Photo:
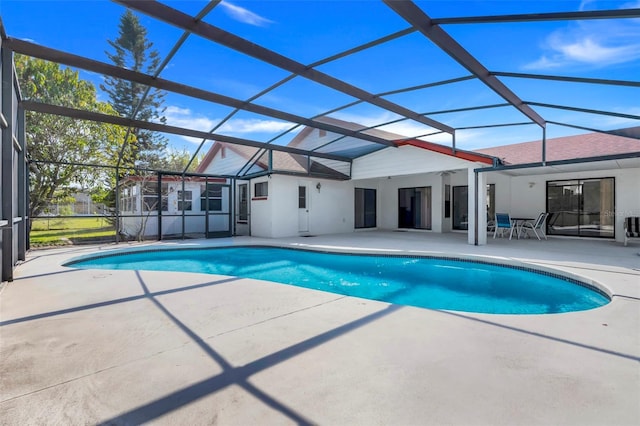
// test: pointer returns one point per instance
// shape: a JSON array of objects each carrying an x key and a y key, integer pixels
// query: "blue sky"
[{"x": 308, "y": 31}]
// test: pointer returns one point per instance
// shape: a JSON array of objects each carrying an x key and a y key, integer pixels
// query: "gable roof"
[
  {"x": 297, "y": 163},
  {"x": 398, "y": 140},
  {"x": 569, "y": 147},
  {"x": 282, "y": 161}
]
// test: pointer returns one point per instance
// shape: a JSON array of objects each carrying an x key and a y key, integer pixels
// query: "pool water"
[{"x": 433, "y": 283}]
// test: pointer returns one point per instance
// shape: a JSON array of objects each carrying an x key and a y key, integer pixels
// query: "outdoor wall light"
[{"x": 318, "y": 186}]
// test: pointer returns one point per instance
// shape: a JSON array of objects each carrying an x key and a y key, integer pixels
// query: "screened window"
[
  {"x": 211, "y": 197},
  {"x": 185, "y": 200},
  {"x": 150, "y": 199},
  {"x": 261, "y": 189}
]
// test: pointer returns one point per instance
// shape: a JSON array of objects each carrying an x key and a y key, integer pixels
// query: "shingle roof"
[{"x": 565, "y": 148}]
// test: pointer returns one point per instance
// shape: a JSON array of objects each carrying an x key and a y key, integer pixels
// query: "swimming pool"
[{"x": 426, "y": 282}]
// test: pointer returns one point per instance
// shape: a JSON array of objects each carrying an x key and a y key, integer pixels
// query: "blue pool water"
[{"x": 417, "y": 281}]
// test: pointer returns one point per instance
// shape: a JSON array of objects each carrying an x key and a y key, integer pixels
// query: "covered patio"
[{"x": 128, "y": 347}]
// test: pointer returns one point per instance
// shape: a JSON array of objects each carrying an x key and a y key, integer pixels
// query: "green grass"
[{"x": 62, "y": 231}]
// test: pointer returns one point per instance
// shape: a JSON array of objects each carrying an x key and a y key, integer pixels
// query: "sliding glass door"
[
  {"x": 582, "y": 208},
  {"x": 365, "y": 208},
  {"x": 414, "y": 208}
]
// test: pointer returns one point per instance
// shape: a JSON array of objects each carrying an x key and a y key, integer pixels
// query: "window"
[
  {"x": 243, "y": 202},
  {"x": 211, "y": 197},
  {"x": 302, "y": 197},
  {"x": 365, "y": 208},
  {"x": 581, "y": 208},
  {"x": 261, "y": 189},
  {"x": 447, "y": 201},
  {"x": 150, "y": 197},
  {"x": 414, "y": 208},
  {"x": 184, "y": 200}
]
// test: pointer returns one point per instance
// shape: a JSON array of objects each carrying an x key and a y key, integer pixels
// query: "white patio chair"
[{"x": 537, "y": 227}]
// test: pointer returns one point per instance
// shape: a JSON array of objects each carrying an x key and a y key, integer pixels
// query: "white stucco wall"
[{"x": 331, "y": 210}]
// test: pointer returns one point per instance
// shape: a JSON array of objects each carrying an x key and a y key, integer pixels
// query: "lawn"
[{"x": 69, "y": 230}]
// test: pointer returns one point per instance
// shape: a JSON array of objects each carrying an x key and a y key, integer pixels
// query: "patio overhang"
[{"x": 607, "y": 162}]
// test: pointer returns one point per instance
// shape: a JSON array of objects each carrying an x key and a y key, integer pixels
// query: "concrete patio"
[{"x": 129, "y": 347}]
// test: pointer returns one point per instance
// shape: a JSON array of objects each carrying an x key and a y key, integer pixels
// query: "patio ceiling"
[{"x": 325, "y": 85}]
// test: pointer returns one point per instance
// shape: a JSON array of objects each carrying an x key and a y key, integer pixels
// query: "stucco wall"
[
  {"x": 405, "y": 160},
  {"x": 331, "y": 209}
]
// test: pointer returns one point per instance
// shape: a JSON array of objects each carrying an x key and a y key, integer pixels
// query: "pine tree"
[{"x": 132, "y": 50}]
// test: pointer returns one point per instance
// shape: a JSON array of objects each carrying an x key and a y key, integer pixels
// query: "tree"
[
  {"x": 177, "y": 161},
  {"x": 56, "y": 145},
  {"x": 133, "y": 51}
]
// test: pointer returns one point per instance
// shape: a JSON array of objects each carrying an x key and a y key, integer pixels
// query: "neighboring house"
[
  {"x": 417, "y": 185},
  {"x": 200, "y": 206}
]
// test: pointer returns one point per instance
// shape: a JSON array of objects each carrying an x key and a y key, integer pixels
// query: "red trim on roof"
[{"x": 441, "y": 149}]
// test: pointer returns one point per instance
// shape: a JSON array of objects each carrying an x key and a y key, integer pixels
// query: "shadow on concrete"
[
  {"x": 114, "y": 301},
  {"x": 543, "y": 336},
  {"x": 234, "y": 375}
]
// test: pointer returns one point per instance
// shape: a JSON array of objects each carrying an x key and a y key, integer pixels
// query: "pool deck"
[{"x": 129, "y": 347}]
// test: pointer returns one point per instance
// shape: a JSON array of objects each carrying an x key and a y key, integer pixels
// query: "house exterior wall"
[
  {"x": 387, "y": 197},
  {"x": 525, "y": 196},
  {"x": 331, "y": 209},
  {"x": 405, "y": 160},
  {"x": 228, "y": 162}
]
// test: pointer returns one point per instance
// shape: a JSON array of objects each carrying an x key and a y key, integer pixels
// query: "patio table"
[{"x": 518, "y": 223}]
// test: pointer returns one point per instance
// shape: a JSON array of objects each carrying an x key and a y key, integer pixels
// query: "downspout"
[{"x": 544, "y": 146}]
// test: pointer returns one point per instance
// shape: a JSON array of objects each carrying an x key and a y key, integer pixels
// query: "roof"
[
  {"x": 565, "y": 148},
  {"x": 282, "y": 161},
  {"x": 442, "y": 149}
]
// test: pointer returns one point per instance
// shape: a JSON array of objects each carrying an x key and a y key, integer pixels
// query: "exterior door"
[
  {"x": 216, "y": 203},
  {"x": 303, "y": 207}
]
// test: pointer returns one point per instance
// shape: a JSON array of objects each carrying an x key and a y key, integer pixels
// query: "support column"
[
  {"x": 482, "y": 209},
  {"x": 23, "y": 207},
  {"x": 477, "y": 207},
  {"x": 9, "y": 256}
]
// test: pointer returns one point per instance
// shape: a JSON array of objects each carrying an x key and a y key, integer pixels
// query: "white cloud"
[
  {"x": 597, "y": 44},
  {"x": 254, "y": 126},
  {"x": 184, "y": 117},
  {"x": 244, "y": 15}
]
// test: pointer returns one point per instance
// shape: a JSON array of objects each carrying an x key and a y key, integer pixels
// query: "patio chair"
[
  {"x": 631, "y": 228},
  {"x": 503, "y": 223},
  {"x": 491, "y": 224},
  {"x": 537, "y": 227}
]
